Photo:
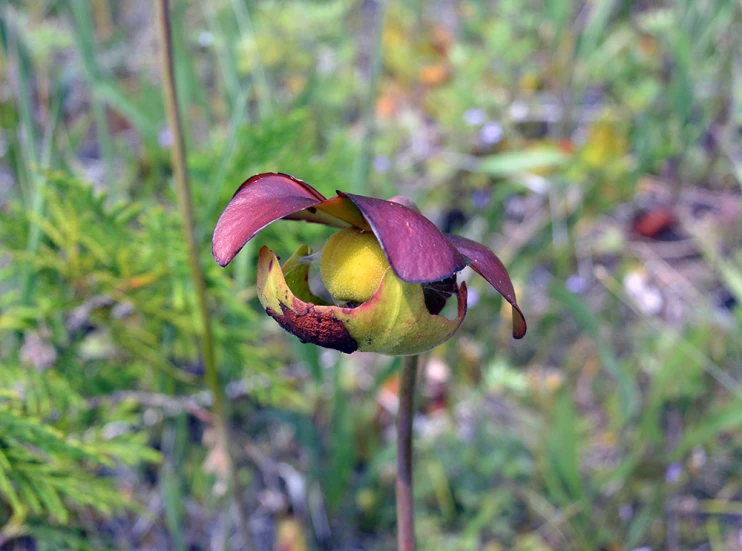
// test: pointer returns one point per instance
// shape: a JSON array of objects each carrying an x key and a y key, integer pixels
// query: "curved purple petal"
[
  {"x": 260, "y": 200},
  {"x": 486, "y": 264},
  {"x": 417, "y": 251}
]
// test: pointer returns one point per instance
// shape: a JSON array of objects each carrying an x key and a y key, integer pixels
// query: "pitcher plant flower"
[{"x": 388, "y": 269}]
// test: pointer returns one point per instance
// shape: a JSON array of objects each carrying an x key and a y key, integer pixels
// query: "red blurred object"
[
  {"x": 654, "y": 222},
  {"x": 567, "y": 146}
]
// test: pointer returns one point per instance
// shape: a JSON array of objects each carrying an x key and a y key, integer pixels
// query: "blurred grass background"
[{"x": 596, "y": 146}]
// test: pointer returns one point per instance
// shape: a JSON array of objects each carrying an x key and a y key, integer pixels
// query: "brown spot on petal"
[{"x": 314, "y": 326}]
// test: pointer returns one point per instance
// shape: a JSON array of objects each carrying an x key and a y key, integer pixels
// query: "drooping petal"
[
  {"x": 417, "y": 251},
  {"x": 263, "y": 199},
  {"x": 486, "y": 264},
  {"x": 395, "y": 321}
]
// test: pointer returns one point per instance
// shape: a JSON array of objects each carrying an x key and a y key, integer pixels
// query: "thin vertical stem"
[
  {"x": 178, "y": 155},
  {"x": 31, "y": 182},
  {"x": 405, "y": 415},
  {"x": 85, "y": 36},
  {"x": 363, "y": 168}
]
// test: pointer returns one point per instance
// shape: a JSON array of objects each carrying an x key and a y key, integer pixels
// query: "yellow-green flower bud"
[
  {"x": 393, "y": 321},
  {"x": 352, "y": 265}
]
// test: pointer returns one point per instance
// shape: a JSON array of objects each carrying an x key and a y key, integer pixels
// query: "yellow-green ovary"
[{"x": 352, "y": 265}]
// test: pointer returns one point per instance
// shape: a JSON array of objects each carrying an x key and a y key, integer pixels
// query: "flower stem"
[
  {"x": 405, "y": 415},
  {"x": 178, "y": 155}
]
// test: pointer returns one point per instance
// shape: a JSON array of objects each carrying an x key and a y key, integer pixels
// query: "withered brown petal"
[
  {"x": 260, "y": 200},
  {"x": 311, "y": 323},
  {"x": 486, "y": 264},
  {"x": 417, "y": 251}
]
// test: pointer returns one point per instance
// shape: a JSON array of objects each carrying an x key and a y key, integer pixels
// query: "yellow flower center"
[{"x": 352, "y": 265}]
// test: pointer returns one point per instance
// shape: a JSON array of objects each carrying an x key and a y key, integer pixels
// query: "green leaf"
[
  {"x": 341, "y": 451},
  {"x": 518, "y": 162},
  {"x": 726, "y": 418},
  {"x": 628, "y": 391},
  {"x": 562, "y": 452}
]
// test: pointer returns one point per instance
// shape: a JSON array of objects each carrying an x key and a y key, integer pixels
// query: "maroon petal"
[
  {"x": 486, "y": 264},
  {"x": 262, "y": 199},
  {"x": 417, "y": 251}
]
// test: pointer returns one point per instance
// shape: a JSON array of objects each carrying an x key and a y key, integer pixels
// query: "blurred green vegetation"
[{"x": 595, "y": 146}]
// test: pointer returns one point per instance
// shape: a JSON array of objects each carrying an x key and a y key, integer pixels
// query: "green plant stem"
[
  {"x": 405, "y": 415},
  {"x": 85, "y": 37},
  {"x": 363, "y": 168},
  {"x": 31, "y": 185},
  {"x": 221, "y": 425}
]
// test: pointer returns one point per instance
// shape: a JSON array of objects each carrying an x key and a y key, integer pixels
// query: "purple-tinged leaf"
[{"x": 486, "y": 264}]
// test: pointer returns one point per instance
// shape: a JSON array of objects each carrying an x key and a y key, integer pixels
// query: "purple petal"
[
  {"x": 262, "y": 199},
  {"x": 417, "y": 251},
  {"x": 486, "y": 264}
]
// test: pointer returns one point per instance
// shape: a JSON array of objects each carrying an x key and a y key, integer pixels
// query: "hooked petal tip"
[{"x": 491, "y": 268}]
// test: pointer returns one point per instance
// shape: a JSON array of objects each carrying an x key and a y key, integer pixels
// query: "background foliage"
[{"x": 595, "y": 146}]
